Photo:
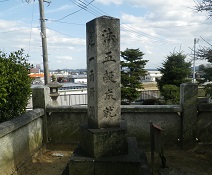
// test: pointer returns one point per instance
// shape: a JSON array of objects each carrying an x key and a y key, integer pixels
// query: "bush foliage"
[
  {"x": 175, "y": 71},
  {"x": 14, "y": 84}
]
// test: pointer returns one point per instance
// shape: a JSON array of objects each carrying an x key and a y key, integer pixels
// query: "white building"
[{"x": 152, "y": 75}]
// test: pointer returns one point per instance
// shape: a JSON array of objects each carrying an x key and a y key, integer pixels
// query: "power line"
[
  {"x": 205, "y": 41},
  {"x": 60, "y": 32},
  {"x": 63, "y": 22},
  {"x": 92, "y": 9},
  {"x": 81, "y": 8},
  {"x": 143, "y": 34},
  {"x": 85, "y": 7},
  {"x": 69, "y": 15}
]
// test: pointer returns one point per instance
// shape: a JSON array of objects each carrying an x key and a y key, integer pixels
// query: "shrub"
[
  {"x": 171, "y": 94},
  {"x": 14, "y": 84}
]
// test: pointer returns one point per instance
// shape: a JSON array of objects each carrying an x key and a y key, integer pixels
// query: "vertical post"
[
  {"x": 188, "y": 100},
  {"x": 152, "y": 147},
  {"x": 103, "y": 62},
  {"x": 104, "y": 135},
  {"x": 44, "y": 43},
  {"x": 194, "y": 78},
  {"x": 40, "y": 99}
]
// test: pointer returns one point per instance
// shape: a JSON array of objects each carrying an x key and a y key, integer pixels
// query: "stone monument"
[{"x": 104, "y": 147}]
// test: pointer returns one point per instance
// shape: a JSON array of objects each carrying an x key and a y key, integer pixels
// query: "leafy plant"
[
  {"x": 14, "y": 84},
  {"x": 171, "y": 94},
  {"x": 175, "y": 71}
]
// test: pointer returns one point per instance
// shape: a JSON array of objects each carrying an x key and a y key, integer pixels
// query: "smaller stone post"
[
  {"x": 40, "y": 99},
  {"x": 188, "y": 100}
]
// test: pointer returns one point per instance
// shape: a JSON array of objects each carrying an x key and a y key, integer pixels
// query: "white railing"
[{"x": 72, "y": 99}]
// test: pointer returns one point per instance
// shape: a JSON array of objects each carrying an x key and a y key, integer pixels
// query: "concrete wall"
[
  {"x": 20, "y": 138},
  {"x": 63, "y": 122},
  {"x": 181, "y": 123},
  {"x": 204, "y": 123},
  {"x": 166, "y": 116}
]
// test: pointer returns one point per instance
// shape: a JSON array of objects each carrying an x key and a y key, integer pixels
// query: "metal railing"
[
  {"x": 149, "y": 94},
  {"x": 67, "y": 99},
  {"x": 72, "y": 99}
]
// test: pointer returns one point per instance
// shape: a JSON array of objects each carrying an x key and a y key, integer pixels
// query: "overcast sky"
[{"x": 156, "y": 27}]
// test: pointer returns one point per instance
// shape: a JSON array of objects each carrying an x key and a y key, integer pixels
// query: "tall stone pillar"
[
  {"x": 103, "y": 136},
  {"x": 104, "y": 148},
  {"x": 103, "y": 67},
  {"x": 188, "y": 100}
]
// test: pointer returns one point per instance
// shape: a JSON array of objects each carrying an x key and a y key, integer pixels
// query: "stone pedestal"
[
  {"x": 103, "y": 142},
  {"x": 133, "y": 163}
]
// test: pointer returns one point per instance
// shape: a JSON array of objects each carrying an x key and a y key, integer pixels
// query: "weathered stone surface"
[
  {"x": 40, "y": 97},
  {"x": 133, "y": 163},
  {"x": 103, "y": 142},
  {"x": 188, "y": 100},
  {"x": 103, "y": 67}
]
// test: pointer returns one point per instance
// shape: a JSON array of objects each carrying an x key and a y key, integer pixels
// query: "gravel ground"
[{"x": 195, "y": 161}]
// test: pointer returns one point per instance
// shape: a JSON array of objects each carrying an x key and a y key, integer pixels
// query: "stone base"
[
  {"x": 103, "y": 142},
  {"x": 133, "y": 163}
]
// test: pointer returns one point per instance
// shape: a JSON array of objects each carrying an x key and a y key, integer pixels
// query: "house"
[{"x": 152, "y": 75}]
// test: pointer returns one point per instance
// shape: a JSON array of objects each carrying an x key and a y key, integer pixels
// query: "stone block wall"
[
  {"x": 63, "y": 122},
  {"x": 204, "y": 123},
  {"x": 167, "y": 117},
  {"x": 20, "y": 138}
]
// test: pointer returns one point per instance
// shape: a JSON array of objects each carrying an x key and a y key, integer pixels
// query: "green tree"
[
  {"x": 175, "y": 71},
  {"x": 132, "y": 68},
  {"x": 14, "y": 84},
  {"x": 205, "y": 72}
]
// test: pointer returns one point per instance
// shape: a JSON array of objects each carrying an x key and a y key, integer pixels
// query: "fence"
[
  {"x": 149, "y": 94},
  {"x": 68, "y": 98},
  {"x": 72, "y": 99}
]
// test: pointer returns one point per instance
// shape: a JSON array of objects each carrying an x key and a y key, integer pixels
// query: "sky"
[{"x": 156, "y": 27}]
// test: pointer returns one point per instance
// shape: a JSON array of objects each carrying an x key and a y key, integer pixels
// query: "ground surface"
[
  {"x": 52, "y": 162},
  {"x": 149, "y": 86},
  {"x": 192, "y": 161}
]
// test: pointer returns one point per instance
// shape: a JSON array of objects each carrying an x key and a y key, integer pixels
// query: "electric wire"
[
  {"x": 124, "y": 26},
  {"x": 60, "y": 32},
  {"x": 64, "y": 22},
  {"x": 90, "y": 8},
  {"x": 85, "y": 6},
  {"x": 68, "y": 15},
  {"x": 81, "y": 8},
  {"x": 206, "y": 41}
]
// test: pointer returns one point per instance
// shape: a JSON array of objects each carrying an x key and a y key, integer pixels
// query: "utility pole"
[
  {"x": 44, "y": 43},
  {"x": 194, "y": 71}
]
